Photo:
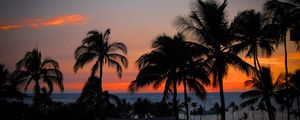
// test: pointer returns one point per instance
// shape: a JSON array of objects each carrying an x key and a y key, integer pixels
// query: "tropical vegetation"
[{"x": 200, "y": 55}]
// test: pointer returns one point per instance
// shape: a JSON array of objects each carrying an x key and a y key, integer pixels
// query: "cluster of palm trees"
[
  {"x": 200, "y": 55},
  {"x": 215, "y": 47}
]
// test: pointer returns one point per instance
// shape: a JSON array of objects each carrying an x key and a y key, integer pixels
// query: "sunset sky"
[{"x": 56, "y": 28}]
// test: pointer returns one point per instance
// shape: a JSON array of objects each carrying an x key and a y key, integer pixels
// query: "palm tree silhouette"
[
  {"x": 216, "y": 109},
  {"x": 263, "y": 89},
  {"x": 261, "y": 107},
  {"x": 194, "y": 105},
  {"x": 253, "y": 35},
  {"x": 96, "y": 46},
  {"x": 89, "y": 95},
  {"x": 286, "y": 16},
  {"x": 236, "y": 108},
  {"x": 252, "y": 108},
  {"x": 8, "y": 85},
  {"x": 295, "y": 86},
  {"x": 201, "y": 110},
  {"x": 281, "y": 109},
  {"x": 172, "y": 61},
  {"x": 232, "y": 106},
  {"x": 32, "y": 68},
  {"x": 91, "y": 99},
  {"x": 142, "y": 107},
  {"x": 207, "y": 23}
]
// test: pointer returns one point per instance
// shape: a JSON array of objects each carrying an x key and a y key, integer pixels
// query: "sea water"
[
  {"x": 210, "y": 100},
  {"x": 208, "y": 103}
]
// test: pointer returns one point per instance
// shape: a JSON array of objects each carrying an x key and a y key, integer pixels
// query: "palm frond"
[
  {"x": 50, "y": 63},
  {"x": 239, "y": 63},
  {"x": 83, "y": 59},
  {"x": 116, "y": 65},
  {"x": 117, "y": 46},
  {"x": 249, "y": 102},
  {"x": 251, "y": 94},
  {"x": 119, "y": 57}
]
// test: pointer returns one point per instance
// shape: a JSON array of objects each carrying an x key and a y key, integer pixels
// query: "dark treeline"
[{"x": 198, "y": 56}]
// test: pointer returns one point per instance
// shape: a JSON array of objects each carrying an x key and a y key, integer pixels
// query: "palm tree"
[
  {"x": 216, "y": 108},
  {"x": 201, "y": 110},
  {"x": 97, "y": 47},
  {"x": 253, "y": 35},
  {"x": 8, "y": 85},
  {"x": 261, "y": 106},
  {"x": 194, "y": 76},
  {"x": 141, "y": 108},
  {"x": 244, "y": 116},
  {"x": 295, "y": 85},
  {"x": 32, "y": 68},
  {"x": 236, "y": 108},
  {"x": 172, "y": 61},
  {"x": 281, "y": 109},
  {"x": 207, "y": 24},
  {"x": 194, "y": 105},
  {"x": 286, "y": 16},
  {"x": 252, "y": 108},
  {"x": 232, "y": 105},
  {"x": 263, "y": 88}
]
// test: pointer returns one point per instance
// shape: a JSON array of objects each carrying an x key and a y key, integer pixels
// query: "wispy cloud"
[
  {"x": 6, "y": 27},
  {"x": 45, "y": 22}
]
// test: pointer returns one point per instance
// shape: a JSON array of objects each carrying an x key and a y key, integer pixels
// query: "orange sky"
[{"x": 57, "y": 28}]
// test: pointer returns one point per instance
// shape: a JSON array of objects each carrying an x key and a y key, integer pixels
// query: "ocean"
[
  {"x": 154, "y": 97},
  {"x": 208, "y": 103}
]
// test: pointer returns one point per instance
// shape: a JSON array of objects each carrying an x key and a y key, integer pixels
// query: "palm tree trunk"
[
  {"x": 257, "y": 62},
  {"x": 298, "y": 107},
  {"x": 254, "y": 61},
  {"x": 232, "y": 115},
  {"x": 37, "y": 93},
  {"x": 222, "y": 97},
  {"x": 186, "y": 101},
  {"x": 269, "y": 108},
  {"x": 100, "y": 87},
  {"x": 286, "y": 75},
  {"x": 175, "y": 106}
]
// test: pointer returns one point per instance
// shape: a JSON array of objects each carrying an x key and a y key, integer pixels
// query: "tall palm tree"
[
  {"x": 253, "y": 35},
  {"x": 172, "y": 61},
  {"x": 263, "y": 88},
  {"x": 193, "y": 75},
  {"x": 295, "y": 86},
  {"x": 286, "y": 15},
  {"x": 32, "y": 68},
  {"x": 97, "y": 47},
  {"x": 208, "y": 24}
]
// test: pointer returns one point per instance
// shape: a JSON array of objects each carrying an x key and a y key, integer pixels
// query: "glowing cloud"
[
  {"x": 6, "y": 27},
  {"x": 45, "y": 22}
]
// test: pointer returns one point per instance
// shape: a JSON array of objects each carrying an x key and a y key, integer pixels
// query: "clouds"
[{"x": 73, "y": 19}]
